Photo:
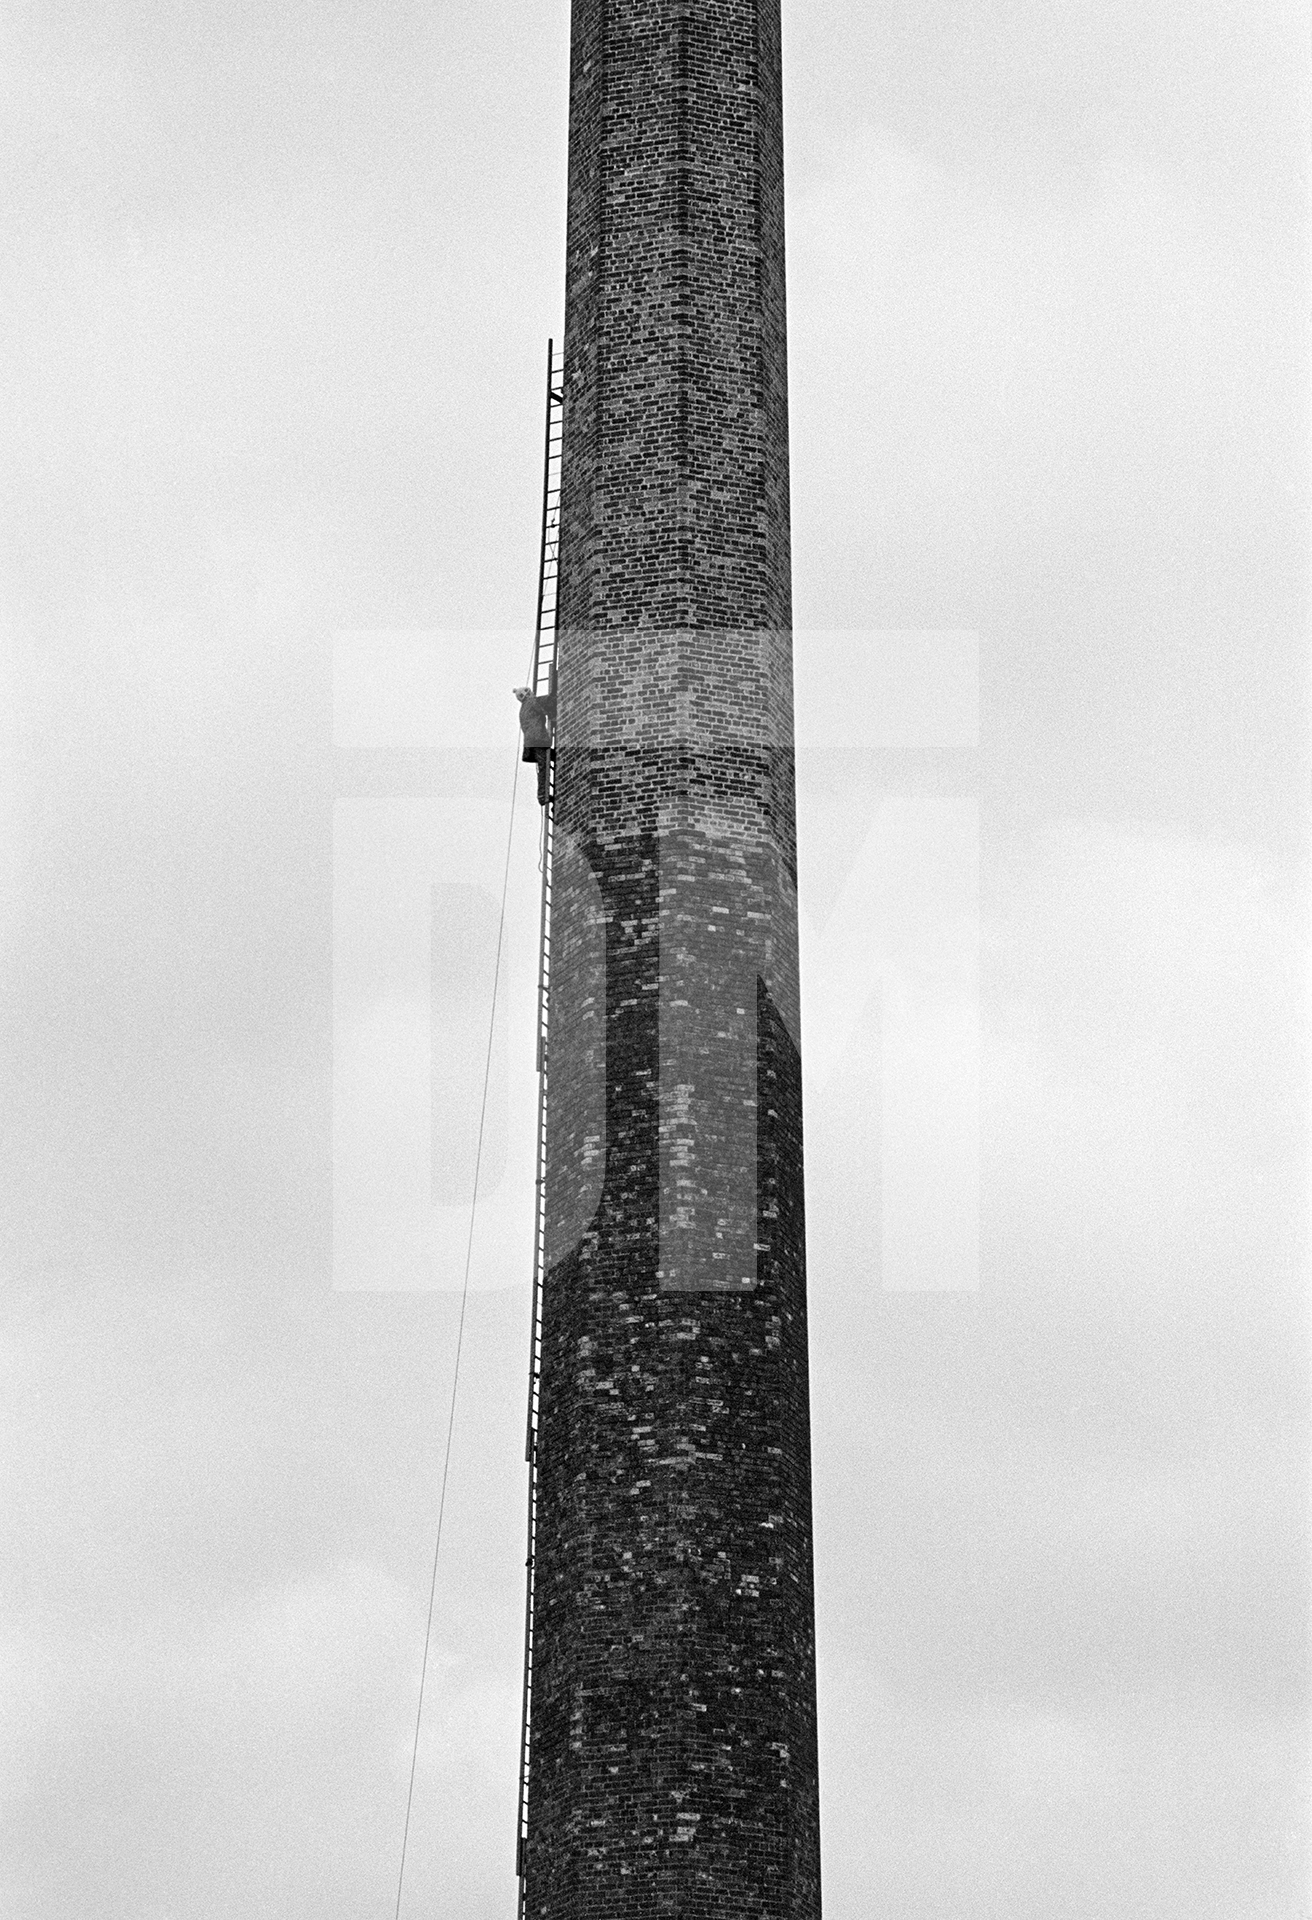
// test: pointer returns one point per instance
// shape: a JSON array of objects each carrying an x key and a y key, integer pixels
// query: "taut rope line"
[{"x": 460, "y": 1337}]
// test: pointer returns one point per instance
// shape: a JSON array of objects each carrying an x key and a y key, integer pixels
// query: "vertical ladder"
[{"x": 542, "y": 681}]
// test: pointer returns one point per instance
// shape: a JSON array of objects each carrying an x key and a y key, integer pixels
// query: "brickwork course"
[{"x": 673, "y": 1758}]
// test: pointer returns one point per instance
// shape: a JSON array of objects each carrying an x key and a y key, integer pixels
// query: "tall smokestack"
[{"x": 673, "y": 1739}]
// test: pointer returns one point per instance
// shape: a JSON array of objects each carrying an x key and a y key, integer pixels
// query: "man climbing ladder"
[{"x": 537, "y": 713}]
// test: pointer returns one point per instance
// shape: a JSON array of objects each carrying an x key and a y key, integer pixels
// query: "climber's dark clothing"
[{"x": 536, "y": 718}]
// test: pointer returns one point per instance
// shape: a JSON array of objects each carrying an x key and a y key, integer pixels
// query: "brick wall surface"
[{"x": 673, "y": 1764}]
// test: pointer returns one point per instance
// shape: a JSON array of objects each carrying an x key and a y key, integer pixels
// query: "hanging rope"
[{"x": 460, "y": 1336}]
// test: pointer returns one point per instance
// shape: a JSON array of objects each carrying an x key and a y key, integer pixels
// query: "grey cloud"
[{"x": 281, "y": 286}]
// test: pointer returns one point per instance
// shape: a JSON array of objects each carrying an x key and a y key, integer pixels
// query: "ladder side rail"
[
  {"x": 546, "y": 488},
  {"x": 535, "y": 1360},
  {"x": 544, "y": 663},
  {"x": 535, "y": 1348}
]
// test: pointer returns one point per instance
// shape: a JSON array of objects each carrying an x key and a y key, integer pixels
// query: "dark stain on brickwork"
[
  {"x": 673, "y": 1759},
  {"x": 626, "y": 1224}
]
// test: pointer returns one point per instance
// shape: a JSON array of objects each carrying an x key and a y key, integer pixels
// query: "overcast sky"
[{"x": 278, "y": 283}]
